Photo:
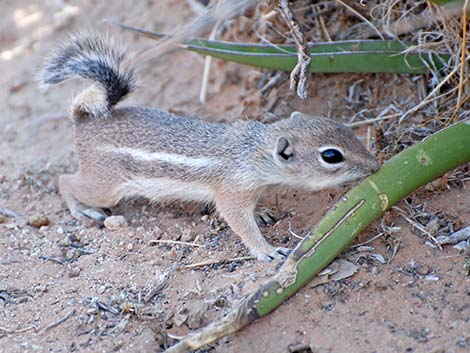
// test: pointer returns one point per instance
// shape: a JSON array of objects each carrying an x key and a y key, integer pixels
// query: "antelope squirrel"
[{"x": 126, "y": 152}]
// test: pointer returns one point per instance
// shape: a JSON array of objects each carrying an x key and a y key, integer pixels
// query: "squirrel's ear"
[{"x": 284, "y": 150}]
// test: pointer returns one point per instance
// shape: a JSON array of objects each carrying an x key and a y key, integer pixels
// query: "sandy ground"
[{"x": 67, "y": 288}]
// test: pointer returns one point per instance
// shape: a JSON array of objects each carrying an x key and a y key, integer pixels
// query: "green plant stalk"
[
  {"x": 359, "y": 56},
  {"x": 401, "y": 175},
  {"x": 397, "y": 178},
  {"x": 367, "y": 56},
  {"x": 390, "y": 46}
]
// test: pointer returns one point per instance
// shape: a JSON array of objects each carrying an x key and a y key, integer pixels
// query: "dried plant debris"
[
  {"x": 427, "y": 223},
  {"x": 336, "y": 271},
  {"x": 458, "y": 177},
  {"x": 416, "y": 270},
  {"x": 459, "y": 239},
  {"x": 442, "y": 96},
  {"x": 429, "y": 26},
  {"x": 300, "y": 74}
]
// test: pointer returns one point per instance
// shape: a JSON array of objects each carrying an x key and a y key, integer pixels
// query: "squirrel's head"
[{"x": 318, "y": 153}]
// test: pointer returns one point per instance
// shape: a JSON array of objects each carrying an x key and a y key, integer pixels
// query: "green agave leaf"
[
  {"x": 368, "y": 56},
  {"x": 340, "y": 46}
]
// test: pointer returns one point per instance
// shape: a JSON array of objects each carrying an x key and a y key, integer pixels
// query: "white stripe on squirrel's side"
[{"x": 172, "y": 158}]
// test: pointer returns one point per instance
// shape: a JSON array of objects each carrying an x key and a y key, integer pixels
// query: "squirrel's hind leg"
[{"x": 73, "y": 189}]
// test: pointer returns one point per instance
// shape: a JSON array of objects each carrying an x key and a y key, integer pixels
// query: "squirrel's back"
[{"x": 94, "y": 57}]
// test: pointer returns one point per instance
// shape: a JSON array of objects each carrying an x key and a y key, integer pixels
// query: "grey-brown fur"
[
  {"x": 93, "y": 57},
  {"x": 135, "y": 151}
]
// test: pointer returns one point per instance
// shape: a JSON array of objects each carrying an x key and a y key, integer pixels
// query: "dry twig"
[
  {"x": 9, "y": 213},
  {"x": 215, "y": 261},
  {"x": 196, "y": 27},
  {"x": 362, "y": 18},
  {"x": 207, "y": 63},
  {"x": 152, "y": 292},
  {"x": 436, "y": 89},
  {"x": 60, "y": 321},
  {"x": 300, "y": 74},
  {"x": 463, "y": 54},
  {"x": 5, "y": 331},
  {"x": 416, "y": 225},
  {"x": 454, "y": 238},
  {"x": 373, "y": 120},
  {"x": 176, "y": 242}
]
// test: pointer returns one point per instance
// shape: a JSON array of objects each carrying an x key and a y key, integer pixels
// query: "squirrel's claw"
[
  {"x": 264, "y": 216},
  {"x": 93, "y": 216},
  {"x": 279, "y": 254}
]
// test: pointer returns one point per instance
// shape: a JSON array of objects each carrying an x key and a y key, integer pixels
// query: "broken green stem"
[{"x": 398, "y": 177}]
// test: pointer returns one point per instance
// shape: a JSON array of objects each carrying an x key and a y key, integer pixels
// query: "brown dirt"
[{"x": 98, "y": 279}]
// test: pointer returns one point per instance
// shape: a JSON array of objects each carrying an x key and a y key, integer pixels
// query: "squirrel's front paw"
[
  {"x": 264, "y": 216},
  {"x": 279, "y": 254}
]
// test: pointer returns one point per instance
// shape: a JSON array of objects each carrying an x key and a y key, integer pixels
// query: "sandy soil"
[{"x": 67, "y": 288}]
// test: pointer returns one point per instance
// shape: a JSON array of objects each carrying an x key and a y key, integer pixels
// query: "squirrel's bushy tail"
[{"x": 91, "y": 56}]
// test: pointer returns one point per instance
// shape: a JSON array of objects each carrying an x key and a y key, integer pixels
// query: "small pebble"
[
  {"x": 74, "y": 272},
  {"x": 463, "y": 342},
  {"x": 171, "y": 255},
  {"x": 423, "y": 270},
  {"x": 17, "y": 85},
  {"x": 115, "y": 222},
  {"x": 39, "y": 221},
  {"x": 187, "y": 236},
  {"x": 72, "y": 254},
  {"x": 11, "y": 226},
  {"x": 220, "y": 302},
  {"x": 180, "y": 318}
]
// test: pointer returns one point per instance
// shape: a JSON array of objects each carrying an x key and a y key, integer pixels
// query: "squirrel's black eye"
[{"x": 332, "y": 156}]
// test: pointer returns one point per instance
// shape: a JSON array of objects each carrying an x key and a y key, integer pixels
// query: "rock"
[
  {"x": 180, "y": 317},
  {"x": 187, "y": 236},
  {"x": 74, "y": 272},
  {"x": 199, "y": 315},
  {"x": 115, "y": 222},
  {"x": 39, "y": 221},
  {"x": 72, "y": 254}
]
